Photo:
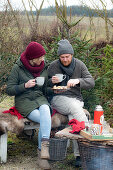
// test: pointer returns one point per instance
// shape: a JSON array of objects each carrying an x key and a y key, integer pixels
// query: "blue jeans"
[{"x": 42, "y": 115}]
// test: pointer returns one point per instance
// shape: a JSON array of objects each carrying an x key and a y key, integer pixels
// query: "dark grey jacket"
[{"x": 80, "y": 72}]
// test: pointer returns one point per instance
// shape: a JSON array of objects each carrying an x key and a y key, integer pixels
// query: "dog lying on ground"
[{"x": 11, "y": 123}]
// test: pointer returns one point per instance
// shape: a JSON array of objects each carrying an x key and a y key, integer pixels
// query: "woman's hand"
[
  {"x": 55, "y": 80},
  {"x": 30, "y": 83},
  {"x": 72, "y": 82}
]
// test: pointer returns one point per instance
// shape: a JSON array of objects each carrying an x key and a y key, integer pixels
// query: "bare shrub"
[{"x": 10, "y": 40}]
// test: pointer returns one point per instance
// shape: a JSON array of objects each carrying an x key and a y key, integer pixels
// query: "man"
[{"x": 78, "y": 77}]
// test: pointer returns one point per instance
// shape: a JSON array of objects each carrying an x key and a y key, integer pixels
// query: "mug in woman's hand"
[
  {"x": 61, "y": 77},
  {"x": 40, "y": 81}
]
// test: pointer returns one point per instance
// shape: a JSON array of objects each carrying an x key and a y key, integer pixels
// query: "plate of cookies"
[{"x": 60, "y": 88}]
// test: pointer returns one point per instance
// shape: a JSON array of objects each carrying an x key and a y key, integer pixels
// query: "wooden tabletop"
[
  {"x": 65, "y": 133},
  {"x": 83, "y": 134}
]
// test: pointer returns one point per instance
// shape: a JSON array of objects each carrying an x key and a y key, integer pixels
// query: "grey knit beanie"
[{"x": 64, "y": 47}]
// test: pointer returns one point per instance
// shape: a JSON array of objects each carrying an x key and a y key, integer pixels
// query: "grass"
[
  {"x": 7, "y": 102},
  {"x": 93, "y": 26}
]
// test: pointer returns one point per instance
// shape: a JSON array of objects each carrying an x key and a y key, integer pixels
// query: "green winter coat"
[{"x": 26, "y": 99}]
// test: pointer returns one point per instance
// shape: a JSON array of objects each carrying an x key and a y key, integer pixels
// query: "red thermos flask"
[{"x": 98, "y": 115}]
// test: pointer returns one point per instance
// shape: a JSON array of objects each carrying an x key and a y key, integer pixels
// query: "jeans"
[{"x": 42, "y": 115}]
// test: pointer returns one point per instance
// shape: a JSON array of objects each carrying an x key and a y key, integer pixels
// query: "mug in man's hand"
[
  {"x": 40, "y": 81},
  {"x": 61, "y": 77}
]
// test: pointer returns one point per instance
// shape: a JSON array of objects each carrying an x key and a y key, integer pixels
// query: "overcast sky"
[{"x": 18, "y": 3}]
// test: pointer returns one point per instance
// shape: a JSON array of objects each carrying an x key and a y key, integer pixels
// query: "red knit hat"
[{"x": 34, "y": 50}]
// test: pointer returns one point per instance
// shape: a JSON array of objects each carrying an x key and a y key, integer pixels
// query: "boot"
[
  {"x": 43, "y": 163},
  {"x": 45, "y": 150},
  {"x": 78, "y": 161}
]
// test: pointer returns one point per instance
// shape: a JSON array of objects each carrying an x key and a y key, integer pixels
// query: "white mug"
[
  {"x": 40, "y": 81},
  {"x": 61, "y": 77}
]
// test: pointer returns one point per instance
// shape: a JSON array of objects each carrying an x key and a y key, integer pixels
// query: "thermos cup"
[{"x": 98, "y": 115}]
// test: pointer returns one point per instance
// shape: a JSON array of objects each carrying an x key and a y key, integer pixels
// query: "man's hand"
[
  {"x": 30, "y": 83},
  {"x": 72, "y": 82},
  {"x": 55, "y": 80}
]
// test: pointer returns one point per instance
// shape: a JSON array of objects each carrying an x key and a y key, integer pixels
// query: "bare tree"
[
  {"x": 102, "y": 13},
  {"x": 61, "y": 12},
  {"x": 33, "y": 20},
  {"x": 16, "y": 19}
]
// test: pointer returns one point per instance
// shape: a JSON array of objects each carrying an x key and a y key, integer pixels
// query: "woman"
[{"x": 30, "y": 98}]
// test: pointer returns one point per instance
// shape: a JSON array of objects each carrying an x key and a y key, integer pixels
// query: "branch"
[
  {"x": 31, "y": 10},
  {"x": 27, "y": 14},
  {"x": 18, "y": 25}
]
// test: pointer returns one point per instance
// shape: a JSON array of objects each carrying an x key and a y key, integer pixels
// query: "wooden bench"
[{"x": 29, "y": 125}]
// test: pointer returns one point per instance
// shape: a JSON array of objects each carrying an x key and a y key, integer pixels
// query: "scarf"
[
  {"x": 68, "y": 71},
  {"x": 34, "y": 70}
]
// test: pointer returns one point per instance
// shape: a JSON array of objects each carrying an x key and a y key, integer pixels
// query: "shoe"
[
  {"x": 45, "y": 150},
  {"x": 78, "y": 161},
  {"x": 43, "y": 163}
]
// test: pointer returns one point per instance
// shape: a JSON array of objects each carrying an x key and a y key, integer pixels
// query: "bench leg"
[{"x": 3, "y": 148}]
